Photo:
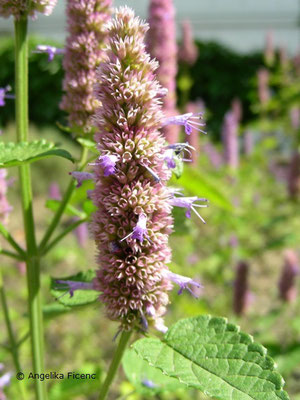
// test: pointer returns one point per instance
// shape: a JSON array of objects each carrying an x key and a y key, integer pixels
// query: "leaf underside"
[{"x": 213, "y": 356}]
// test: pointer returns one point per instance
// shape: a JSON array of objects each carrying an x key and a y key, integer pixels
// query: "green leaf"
[
  {"x": 213, "y": 356},
  {"x": 178, "y": 170},
  {"x": 52, "y": 310},
  {"x": 80, "y": 297},
  {"x": 14, "y": 154},
  {"x": 89, "y": 144},
  {"x": 142, "y": 375},
  {"x": 195, "y": 182},
  {"x": 53, "y": 205}
]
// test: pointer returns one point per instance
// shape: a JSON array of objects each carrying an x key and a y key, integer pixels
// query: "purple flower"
[
  {"x": 189, "y": 204},
  {"x": 263, "y": 85},
  {"x": 161, "y": 44},
  {"x": 81, "y": 176},
  {"x": 188, "y": 51},
  {"x": 50, "y": 50},
  {"x": 107, "y": 163},
  {"x": 190, "y": 121},
  {"x": 287, "y": 283},
  {"x": 140, "y": 229},
  {"x": 174, "y": 152},
  {"x": 71, "y": 286},
  {"x": 241, "y": 293},
  {"x": 5, "y": 207},
  {"x": 81, "y": 234},
  {"x": 230, "y": 140},
  {"x": 54, "y": 191},
  {"x": 4, "y": 95},
  {"x": 183, "y": 282},
  {"x": 148, "y": 383}
]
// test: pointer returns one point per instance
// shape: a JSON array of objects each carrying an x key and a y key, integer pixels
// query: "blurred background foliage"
[{"x": 218, "y": 76}]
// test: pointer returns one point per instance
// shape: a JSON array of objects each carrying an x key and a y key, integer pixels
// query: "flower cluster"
[
  {"x": 5, "y": 207},
  {"x": 241, "y": 294},
  {"x": 161, "y": 44},
  {"x": 22, "y": 8},
  {"x": 287, "y": 283},
  {"x": 133, "y": 218},
  {"x": 188, "y": 51},
  {"x": 83, "y": 54},
  {"x": 230, "y": 140}
]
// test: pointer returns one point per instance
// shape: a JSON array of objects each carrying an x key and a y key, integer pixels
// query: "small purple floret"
[
  {"x": 148, "y": 383},
  {"x": 189, "y": 204},
  {"x": 190, "y": 121},
  {"x": 108, "y": 163},
  {"x": 71, "y": 286},
  {"x": 4, "y": 95},
  {"x": 81, "y": 176},
  {"x": 140, "y": 230},
  {"x": 50, "y": 50},
  {"x": 183, "y": 282}
]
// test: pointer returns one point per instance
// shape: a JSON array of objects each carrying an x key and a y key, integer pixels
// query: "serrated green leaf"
[
  {"x": 147, "y": 380},
  {"x": 14, "y": 154},
  {"x": 80, "y": 297},
  {"x": 213, "y": 356}
]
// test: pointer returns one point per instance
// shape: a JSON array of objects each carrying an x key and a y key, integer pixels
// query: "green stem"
[
  {"x": 11, "y": 240},
  {"x": 59, "y": 237},
  {"x": 125, "y": 336},
  {"x": 13, "y": 344},
  {"x": 32, "y": 261},
  {"x": 11, "y": 254},
  {"x": 63, "y": 205}
]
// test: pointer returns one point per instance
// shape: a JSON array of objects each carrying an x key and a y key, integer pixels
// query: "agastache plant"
[
  {"x": 230, "y": 140},
  {"x": 133, "y": 220},
  {"x": 161, "y": 44},
  {"x": 83, "y": 54},
  {"x": 287, "y": 283},
  {"x": 5, "y": 207},
  {"x": 21, "y": 8},
  {"x": 188, "y": 51}
]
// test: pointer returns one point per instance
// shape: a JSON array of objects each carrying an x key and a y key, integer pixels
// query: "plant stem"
[
  {"x": 11, "y": 240},
  {"x": 32, "y": 261},
  {"x": 59, "y": 237},
  {"x": 11, "y": 336},
  {"x": 11, "y": 254},
  {"x": 125, "y": 336},
  {"x": 63, "y": 204}
]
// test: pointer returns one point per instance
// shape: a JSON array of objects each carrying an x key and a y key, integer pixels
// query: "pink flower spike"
[
  {"x": 183, "y": 282},
  {"x": 189, "y": 204},
  {"x": 81, "y": 176},
  {"x": 71, "y": 286},
  {"x": 190, "y": 121},
  {"x": 50, "y": 50}
]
